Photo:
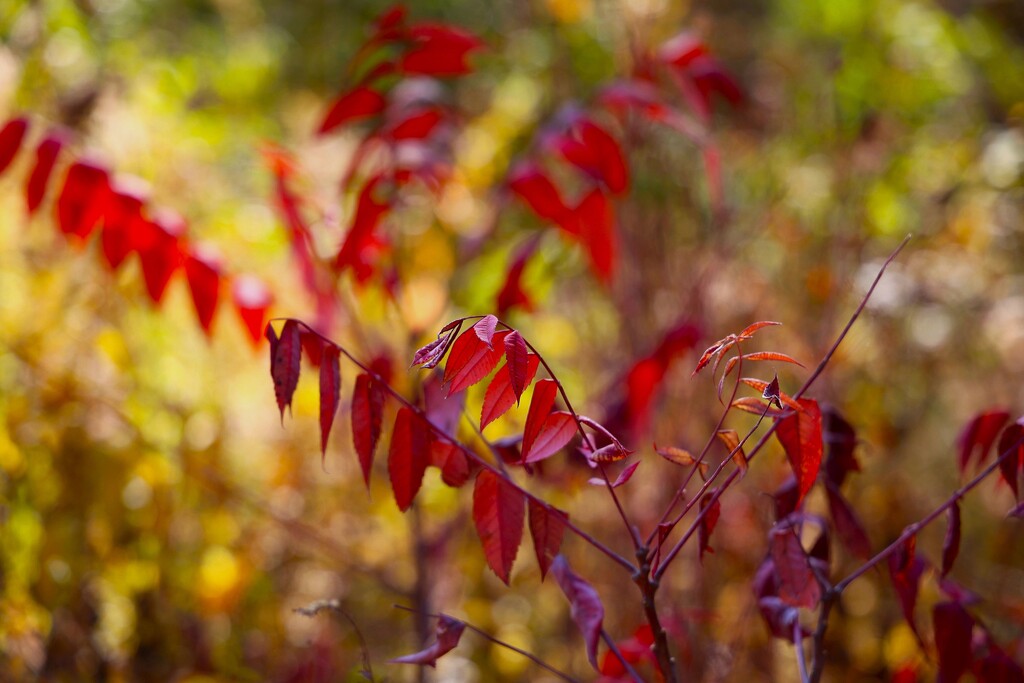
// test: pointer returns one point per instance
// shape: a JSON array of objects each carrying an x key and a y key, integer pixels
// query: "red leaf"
[
  {"x": 452, "y": 462},
  {"x": 203, "y": 275},
  {"x": 749, "y": 330},
  {"x": 46, "y": 158},
  {"x": 978, "y": 436},
  {"x": 585, "y": 605},
  {"x": 517, "y": 359},
  {"x": 594, "y": 151},
  {"x": 848, "y": 526},
  {"x": 11, "y": 137},
  {"x": 429, "y": 355},
  {"x": 285, "y": 359},
  {"x": 681, "y": 49},
  {"x": 840, "y": 439},
  {"x": 330, "y": 393},
  {"x": 471, "y": 359},
  {"x": 547, "y": 526},
  {"x": 800, "y": 436},
  {"x": 544, "y": 393},
  {"x": 798, "y": 586},
  {"x": 498, "y": 516},
  {"x": 438, "y": 50},
  {"x": 595, "y": 226},
  {"x": 359, "y": 103},
  {"x": 951, "y": 544},
  {"x": 83, "y": 198},
  {"x": 557, "y": 431},
  {"x": 370, "y": 210},
  {"x": 953, "y": 630},
  {"x": 500, "y": 395},
  {"x": 707, "y": 522},
  {"x": 160, "y": 253},
  {"x": 535, "y": 188},
  {"x": 408, "y": 456},
  {"x": 449, "y": 631},
  {"x": 512, "y": 293},
  {"x": 1009, "y": 467},
  {"x": 416, "y": 126},
  {"x": 485, "y": 327},
  {"x": 624, "y": 476},
  {"x": 252, "y": 299},
  {"x": 997, "y": 667},
  {"x": 643, "y": 97},
  {"x": 905, "y": 569},
  {"x": 367, "y": 414},
  {"x": 124, "y": 228}
]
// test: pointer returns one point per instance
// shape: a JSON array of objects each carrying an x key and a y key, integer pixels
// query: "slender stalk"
[
  {"x": 497, "y": 641},
  {"x": 630, "y": 529},
  {"x": 798, "y": 644},
  {"x": 614, "y": 649}
]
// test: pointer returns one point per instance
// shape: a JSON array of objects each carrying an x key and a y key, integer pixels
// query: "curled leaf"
[
  {"x": 449, "y": 631},
  {"x": 585, "y": 605}
]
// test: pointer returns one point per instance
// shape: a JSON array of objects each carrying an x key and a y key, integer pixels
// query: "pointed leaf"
[
  {"x": 543, "y": 401},
  {"x": 471, "y": 359},
  {"x": 708, "y": 521},
  {"x": 498, "y": 516},
  {"x": 557, "y": 430},
  {"x": 11, "y": 137},
  {"x": 484, "y": 329},
  {"x": 679, "y": 456},
  {"x": 800, "y": 436},
  {"x": 547, "y": 527},
  {"x": 535, "y": 188},
  {"x": 252, "y": 299},
  {"x": 39, "y": 178},
  {"x": 585, "y": 605},
  {"x": 596, "y": 228},
  {"x": 449, "y": 631},
  {"x": 951, "y": 543},
  {"x": 624, "y": 476},
  {"x": 367, "y": 414},
  {"x": 905, "y": 570},
  {"x": 518, "y": 362},
  {"x": 978, "y": 436},
  {"x": 330, "y": 393},
  {"x": 754, "y": 406},
  {"x": 408, "y": 456},
  {"x": 124, "y": 227},
  {"x": 82, "y": 199},
  {"x": 372, "y": 206},
  {"x": 359, "y": 103},
  {"x": 439, "y": 51},
  {"x": 285, "y": 359},
  {"x": 953, "y": 629},
  {"x": 431, "y": 354},
  {"x": 452, "y": 462},
  {"x": 1010, "y": 466},
  {"x": 749, "y": 331},
  {"x": 731, "y": 440},
  {"x": 161, "y": 254},
  {"x": 202, "y": 271},
  {"x": 512, "y": 294},
  {"x": 848, "y": 526},
  {"x": 500, "y": 395},
  {"x": 840, "y": 440},
  {"x": 798, "y": 586}
]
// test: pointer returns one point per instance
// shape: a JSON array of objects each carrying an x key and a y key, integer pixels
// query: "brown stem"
[{"x": 648, "y": 590}]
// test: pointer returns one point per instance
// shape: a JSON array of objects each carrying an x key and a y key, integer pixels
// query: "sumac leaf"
[
  {"x": 500, "y": 395},
  {"x": 452, "y": 462},
  {"x": 905, "y": 570},
  {"x": 408, "y": 456},
  {"x": 713, "y": 506},
  {"x": 518, "y": 362},
  {"x": 367, "y": 414},
  {"x": 951, "y": 543},
  {"x": 543, "y": 401},
  {"x": 596, "y": 229},
  {"x": 429, "y": 355},
  {"x": 840, "y": 440},
  {"x": 11, "y": 137},
  {"x": 484, "y": 329},
  {"x": 512, "y": 294},
  {"x": 953, "y": 629},
  {"x": 160, "y": 252},
  {"x": 848, "y": 526},
  {"x": 547, "y": 527},
  {"x": 498, "y": 516},
  {"x": 82, "y": 200},
  {"x": 285, "y": 360},
  {"x": 203, "y": 274},
  {"x": 798, "y": 586},
  {"x": 556, "y": 431},
  {"x": 330, "y": 393},
  {"x": 371, "y": 208},
  {"x": 124, "y": 228},
  {"x": 749, "y": 330},
  {"x": 359, "y": 103},
  {"x": 800, "y": 436},
  {"x": 584, "y": 605},
  {"x": 449, "y": 631},
  {"x": 252, "y": 300},
  {"x": 1010, "y": 466},
  {"x": 535, "y": 188},
  {"x": 471, "y": 359},
  {"x": 39, "y": 178},
  {"x": 438, "y": 50},
  {"x": 754, "y": 406},
  {"x": 978, "y": 436},
  {"x": 624, "y": 476}
]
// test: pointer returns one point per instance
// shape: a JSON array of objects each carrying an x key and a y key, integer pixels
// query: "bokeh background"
[{"x": 157, "y": 522}]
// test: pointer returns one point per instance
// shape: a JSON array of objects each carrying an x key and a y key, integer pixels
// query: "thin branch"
[
  {"x": 614, "y": 649},
  {"x": 334, "y": 605},
  {"x": 798, "y": 644}
]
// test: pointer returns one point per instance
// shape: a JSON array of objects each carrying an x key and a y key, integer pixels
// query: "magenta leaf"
[
  {"x": 449, "y": 631},
  {"x": 953, "y": 629},
  {"x": 585, "y": 605},
  {"x": 285, "y": 359},
  {"x": 330, "y": 393},
  {"x": 951, "y": 544}
]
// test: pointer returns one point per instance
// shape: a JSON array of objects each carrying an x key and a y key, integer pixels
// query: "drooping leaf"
[
  {"x": 840, "y": 440},
  {"x": 252, "y": 300},
  {"x": 786, "y": 498},
  {"x": 749, "y": 330},
  {"x": 39, "y": 178},
  {"x": 367, "y": 414},
  {"x": 800, "y": 436},
  {"x": 429, "y": 355},
  {"x": 547, "y": 527},
  {"x": 951, "y": 543},
  {"x": 624, "y": 476},
  {"x": 484, "y": 329},
  {"x": 557, "y": 430},
  {"x": 371, "y": 207},
  {"x": 798, "y": 587},
  {"x": 512, "y": 294},
  {"x": 82, "y": 199},
  {"x": 202, "y": 270},
  {"x": 613, "y": 452},
  {"x": 978, "y": 436},
  {"x": 498, "y": 513},
  {"x": 124, "y": 227},
  {"x": 11, "y": 137},
  {"x": 500, "y": 395},
  {"x": 538, "y": 191},
  {"x": 584, "y": 605},
  {"x": 330, "y": 393},
  {"x": 713, "y": 506},
  {"x": 285, "y": 360},
  {"x": 848, "y": 526},
  {"x": 731, "y": 440},
  {"x": 408, "y": 456},
  {"x": 449, "y": 458},
  {"x": 596, "y": 229},
  {"x": 905, "y": 570},
  {"x": 449, "y": 631},
  {"x": 438, "y": 50},
  {"x": 359, "y": 103},
  {"x": 471, "y": 359},
  {"x": 160, "y": 252},
  {"x": 543, "y": 401},
  {"x": 681, "y": 457},
  {"x": 594, "y": 151},
  {"x": 953, "y": 628},
  {"x": 417, "y": 125},
  {"x": 518, "y": 362},
  {"x": 1010, "y": 466},
  {"x": 754, "y": 406}
]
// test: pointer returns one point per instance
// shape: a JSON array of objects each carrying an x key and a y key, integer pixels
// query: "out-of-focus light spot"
[
  {"x": 136, "y": 493},
  {"x": 64, "y": 49},
  {"x": 1002, "y": 162},
  {"x": 201, "y": 430},
  {"x": 219, "y": 574},
  {"x": 930, "y": 327},
  {"x": 900, "y": 645},
  {"x": 58, "y": 569},
  {"x": 510, "y": 663},
  {"x": 255, "y": 222},
  {"x": 892, "y": 291},
  {"x": 860, "y": 598},
  {"x": 569, "y": 11},
  {"x": 457, "y": 669}
]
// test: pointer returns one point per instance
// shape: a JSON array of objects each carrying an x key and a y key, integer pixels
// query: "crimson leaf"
[
  {"x": 547, "y": 527},
  {"x": 285, "y": 359},
  {"x": 498, "y": 516},
  {"x": 367, "y": 414},
  {"x": 800, "y": 436},
  {"x": 953, "y": 628},
  {"x": 408, "y": 456},
  {"x": 951, "y": 544},
  {"x": 500, "y": 395},
  {"x": 585, "y": 605},
  {"x": 449, "y": 631},
  {"x": 330, "y": 393}
]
